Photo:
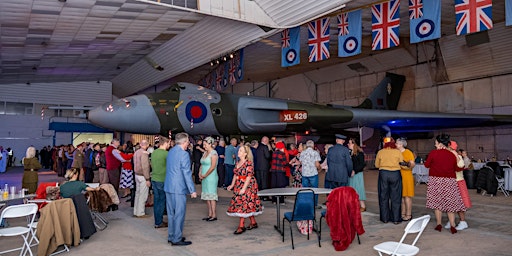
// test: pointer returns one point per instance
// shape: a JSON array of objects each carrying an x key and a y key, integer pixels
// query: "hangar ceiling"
[{"x": 45, "y": 41}]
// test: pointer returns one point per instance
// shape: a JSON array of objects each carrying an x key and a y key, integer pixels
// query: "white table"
[
  {"x": 508, "y": 177},
  {"x": 420, "y": 173},
  {"x": 15, "y": 197},
  {"x": 287, "y": 192}
]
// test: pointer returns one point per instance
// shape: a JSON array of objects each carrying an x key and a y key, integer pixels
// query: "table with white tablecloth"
[
  {"x": 420, "y": 173},
  {"x": 508, "y": 177}
]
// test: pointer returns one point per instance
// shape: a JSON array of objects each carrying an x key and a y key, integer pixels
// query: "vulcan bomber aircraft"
[{"x": 194, "y": 109}]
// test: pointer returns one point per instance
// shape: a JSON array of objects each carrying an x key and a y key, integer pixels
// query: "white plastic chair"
[
  {"x": 416, "y": 225},
  {"x": 17, "y": 211},
  {"x": 501, "y": 185}
]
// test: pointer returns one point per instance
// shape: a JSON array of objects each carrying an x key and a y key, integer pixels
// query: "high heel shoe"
[
  {"x": 439, "y": 227},
  {"x": 453, "y": 229}
]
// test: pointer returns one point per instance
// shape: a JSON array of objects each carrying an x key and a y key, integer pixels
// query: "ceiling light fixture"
[{"x": 231, "y": 55}]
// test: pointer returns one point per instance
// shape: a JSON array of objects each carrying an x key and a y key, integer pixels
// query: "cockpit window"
[{"x": 124, "y": 103}]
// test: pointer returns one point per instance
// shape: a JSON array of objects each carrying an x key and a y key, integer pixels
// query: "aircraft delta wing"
[{"x": 196, "y": 110}]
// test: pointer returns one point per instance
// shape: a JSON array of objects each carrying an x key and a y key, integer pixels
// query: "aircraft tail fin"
[{"x": 387, "y": 94}]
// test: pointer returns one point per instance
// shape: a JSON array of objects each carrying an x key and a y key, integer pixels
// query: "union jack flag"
[
  {"x": 385, "y": 24},
  {"x": 318, "y": 39},
  {"x": 473, "y": 16},
  {"x": 219, "y": 77},
  {"x": 415, "y": 9},
  {"x": 343, "y": 24},
  {"x": 285, "y": 38},
  {"x": 232, "y": 71}
]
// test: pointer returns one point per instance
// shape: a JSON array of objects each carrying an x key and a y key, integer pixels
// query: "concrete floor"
[{"x": 490, "y": 231}]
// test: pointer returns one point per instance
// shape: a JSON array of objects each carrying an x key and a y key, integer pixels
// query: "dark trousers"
[
  {"x": 221, "y": 171},
  {"x": 158, "y": 201},
  {"x": 196, "y": 173},
  {"x": 262, "y": 179},
  {"x": 114, "y": 177},
  {"x": 390, "y": 195},
  {"x": 228, "y": 177},
  {"x": 61, "y": 168},
  {"x": 89, "y": 175}
]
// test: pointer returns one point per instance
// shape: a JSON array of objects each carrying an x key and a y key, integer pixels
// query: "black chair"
[{"x": 303, "y": 209}]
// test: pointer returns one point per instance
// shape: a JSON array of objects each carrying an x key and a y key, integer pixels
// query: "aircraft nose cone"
[{"x": 132, "y": 114}]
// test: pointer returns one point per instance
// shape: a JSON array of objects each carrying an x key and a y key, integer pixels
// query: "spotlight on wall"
[
  {"x": 231, "y": 55},
  {"x": 153, "y": 64},
  {"x": 211, "y": 63},
  {"x": 217, "y": 61},
  {"x": 224, "y": 58}
]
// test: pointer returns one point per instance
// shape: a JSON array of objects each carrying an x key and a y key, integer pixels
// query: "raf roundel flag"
[
  {"x": 349, "y": 33},
  {"x": 425, "y": 20},
  {"x": 290, "y": 47}
]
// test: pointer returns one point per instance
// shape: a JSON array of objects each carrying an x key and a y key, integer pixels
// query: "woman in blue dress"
[{"x": 209, "y": 178}]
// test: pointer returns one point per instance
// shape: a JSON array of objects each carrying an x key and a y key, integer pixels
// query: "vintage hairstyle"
[
  {"x": 403, "y": 141},
  {"x": 70, "y": 173},
  {"x": 389, "y": 142},
  {"x": 209, "y": 140},
  {"x": 247, "y": 150},
  {"x": 443, "y": 139},
  {"x": 31, "y": 152}
]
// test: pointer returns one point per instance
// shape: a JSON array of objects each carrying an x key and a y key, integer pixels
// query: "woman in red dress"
[{"x": 245, "y": 202}]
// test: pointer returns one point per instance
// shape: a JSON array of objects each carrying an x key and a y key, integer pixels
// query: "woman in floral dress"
[
  {"x": 297, "y": 175},
  {"x": 245, "y": 202}
]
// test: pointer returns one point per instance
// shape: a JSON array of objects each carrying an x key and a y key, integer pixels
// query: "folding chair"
[
  {"x": 501, "y": 185},
  {"x": 17, "y": 211},
  {"x": 416, "y": 225},
  {"x": 304, "y": 209},
  {"x": 99, "y": 221}
]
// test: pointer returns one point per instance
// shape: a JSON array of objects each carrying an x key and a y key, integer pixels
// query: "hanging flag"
[
  {"x": 219, "y": 78},
  {"x": 290, "y": 47},
  {"x": 239, "y": 63},
  {"x": 425, "y": 20},
  {"x": 349, "y": 33},
  {"x": 232, "y": 72},
  {"x": 473, "y": 16},
  {"x": 318, "y": 39},
  {"x": 386, "y": 25},
  {"x": 508, "y": 12}
]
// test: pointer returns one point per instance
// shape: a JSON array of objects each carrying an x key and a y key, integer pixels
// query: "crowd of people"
[
  {"x": 446, "y": 188},
  {"x": 170, "y": 170}
]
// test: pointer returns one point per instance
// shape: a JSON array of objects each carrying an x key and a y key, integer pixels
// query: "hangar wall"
[{"x": 19, "y": 131}]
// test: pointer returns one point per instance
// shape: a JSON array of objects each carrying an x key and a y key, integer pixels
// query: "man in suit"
[
  {"x": 262, "y": 165},
  {"x": 178, "y": 183},
  {"x": 339, "y": 163}
]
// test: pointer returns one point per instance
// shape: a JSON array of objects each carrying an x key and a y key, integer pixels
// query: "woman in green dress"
[{"x": 209, "y": 178}]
